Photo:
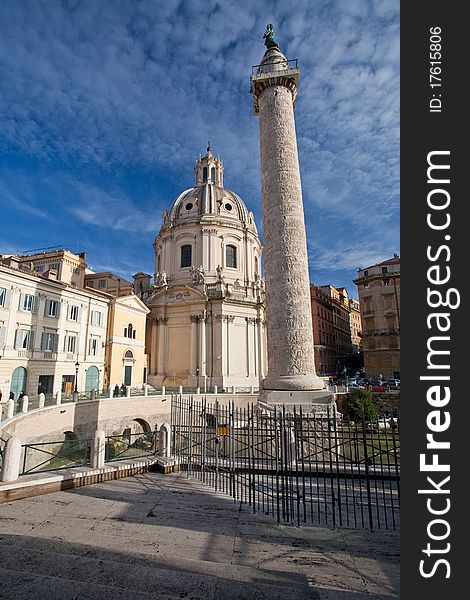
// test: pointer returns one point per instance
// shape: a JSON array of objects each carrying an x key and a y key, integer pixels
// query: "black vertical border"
[{"x": 423, "y": 132}]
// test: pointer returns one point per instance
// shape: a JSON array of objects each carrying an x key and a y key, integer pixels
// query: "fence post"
[
  {"x": 164, "y": 448},
  {"x": 10, "y": 409},
  {"x": 98, "y": 449},
  {"x": 110, "y": 391},
  {"x": 11, "y": 459},
  {"x": 215, "y": 389},
  {"x": 198, "y": 391},
  {"x": 93, "y": 394},
  {"x": 128, "y": 391},
  {"x": 58, "y": 398},
  {"x": 163, "y": 390},
  {"x": 252, "y": 389},
  {"x": 24, "y": 404},
  {"x": 42, "y": 400},
  {"x": 181, "y": 390},
  {"x": 146, "y": 389}
]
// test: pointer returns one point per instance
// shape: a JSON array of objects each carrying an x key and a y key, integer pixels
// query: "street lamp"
[{"x": 75, "y": 391}]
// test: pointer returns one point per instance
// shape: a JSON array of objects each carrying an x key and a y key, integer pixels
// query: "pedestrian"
[
  {"x": 20, "y": 397},
  {"x": 0, "y": 395},
  {"x": 123, "y": 390},
  {"x": 12, "y": 396},
  {"x": 116, "y": 390}
]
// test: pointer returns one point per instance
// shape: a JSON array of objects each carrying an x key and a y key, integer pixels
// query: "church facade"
[{"x": 206, "y": 325}]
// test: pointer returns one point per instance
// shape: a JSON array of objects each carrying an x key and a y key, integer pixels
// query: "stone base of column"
[
  {"x": 316, "y": 401},
  {"x": 293, "y": 383},
  {"x": 155, "y": 381}
]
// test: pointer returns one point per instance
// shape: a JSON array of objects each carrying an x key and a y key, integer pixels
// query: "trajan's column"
[{"x": 291, "y": 377}]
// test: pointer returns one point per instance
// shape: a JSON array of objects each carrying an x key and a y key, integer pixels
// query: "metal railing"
[
  {"x": 48, "y": 456},
  {"x": 300, "y": 468},
  {"x": 132, "y": 445}
]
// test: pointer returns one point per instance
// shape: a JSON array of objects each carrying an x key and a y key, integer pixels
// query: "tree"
[{"x": 361, "y": 405}]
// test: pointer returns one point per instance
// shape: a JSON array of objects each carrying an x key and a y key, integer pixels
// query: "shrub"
[{"x": 361, "y": 405}]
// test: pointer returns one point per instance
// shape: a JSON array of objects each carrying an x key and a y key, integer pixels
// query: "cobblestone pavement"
[{"x": 166, "y": 536}]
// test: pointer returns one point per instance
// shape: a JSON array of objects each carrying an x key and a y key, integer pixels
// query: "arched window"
[
  {"x": 129, "y": 331},
  {"x": 204, "y": 174},
  {"x": 129, "y": 354},
  {"x": 158, "y": 263},
  {"x": 231, "y": 257},
  {"x": 186, "y": 259},
  {"x": 213, "y": 174},
  {"x": 256, "y": 266}
]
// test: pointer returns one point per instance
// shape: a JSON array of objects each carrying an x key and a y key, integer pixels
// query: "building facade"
[
  {"x": 355, "y": 325},
  {"x": 52, "y": 335},
  {"x": 108, "y": 283},
  {"x": 331, "y": 319},
  {"x": 206, "y": 326},
  {"x": 126, "y": 360},
  {"x": 379, "y": 299},
  {"x": 57, "y": 335}
]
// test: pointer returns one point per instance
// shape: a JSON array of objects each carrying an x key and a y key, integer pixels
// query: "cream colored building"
[
  {"x": 207, "y": 320},
  {"x": 126, "y": 361},
  {"x": 108, "y": 283},
  {"x": 49, "y": 330},
  {"x": 355, "y": 324},
  {"x": 60, "y": 265},
  {"x": 379, "y": 298}
]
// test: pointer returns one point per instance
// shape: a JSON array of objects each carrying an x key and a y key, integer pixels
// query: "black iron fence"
[{"x": 298, "y": 467}]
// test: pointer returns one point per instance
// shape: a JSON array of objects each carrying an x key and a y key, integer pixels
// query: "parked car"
[
  {"x": 393, "y": 383},
  {"x": 379, "y": 387},
  {"x": 355, "y": 386}
]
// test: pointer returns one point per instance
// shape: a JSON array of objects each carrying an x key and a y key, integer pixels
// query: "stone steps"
[{"x": 40, "y": 568}]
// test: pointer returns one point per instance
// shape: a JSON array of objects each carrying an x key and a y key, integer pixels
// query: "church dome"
[{"x": 208, "y": 200}]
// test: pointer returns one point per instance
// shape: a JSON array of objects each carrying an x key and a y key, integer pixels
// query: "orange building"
[
  {"x": 331, "y": 323},
  {"x": 379, "y": 298}
]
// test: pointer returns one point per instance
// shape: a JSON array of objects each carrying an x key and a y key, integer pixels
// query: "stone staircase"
[{"x": 51, "y": 569}]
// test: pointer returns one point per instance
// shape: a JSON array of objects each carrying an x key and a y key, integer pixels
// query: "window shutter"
[
  {"x": 21, "y": 302},
  {"x": 31, "y": 340},
  {"x": 68, "y": 311},
  {"x": 43, "y": 340},
  {"x": 46, "y": 308},
  {"x": 2, "y": 336},
  {"x": 7, "y": 299},
  {"x": 18, "y": 335},
  {"x": 34, "y": 308},
  {"x": 79, "y": 314},
  {"x": 55, "y": 342}
]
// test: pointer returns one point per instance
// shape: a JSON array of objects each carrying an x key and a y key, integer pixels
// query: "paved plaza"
[{"x": 166, "y": 536}]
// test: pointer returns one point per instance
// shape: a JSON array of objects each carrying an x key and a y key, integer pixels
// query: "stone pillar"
[
  {"x": 58, "y": 397},
  {"x": 24, "y": 404},
  {"x": 291, "y": 363},
  {"x": 42, "y": 400},
  {"x": 164, "y": 440},
  {"x": 10, "y": 409},
  {"x": 153, "y": 347},
  {"x": 11, "y": 460},
  {"x": 98, "y": 450},
  {"x": 161, "y": 348},
  {"x": 194, "y": 320},
  {"x": 202, "y": 345},
  {"x": 110, "y": 391}
]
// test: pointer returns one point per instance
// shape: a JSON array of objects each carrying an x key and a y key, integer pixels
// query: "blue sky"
[{"x": 106, "y": 105}]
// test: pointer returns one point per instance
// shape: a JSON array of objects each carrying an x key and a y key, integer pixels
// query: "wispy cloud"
[{"x": 135, "y": 89}]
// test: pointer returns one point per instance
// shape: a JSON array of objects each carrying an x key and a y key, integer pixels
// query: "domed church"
[{"x": 206, "y": 327}]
